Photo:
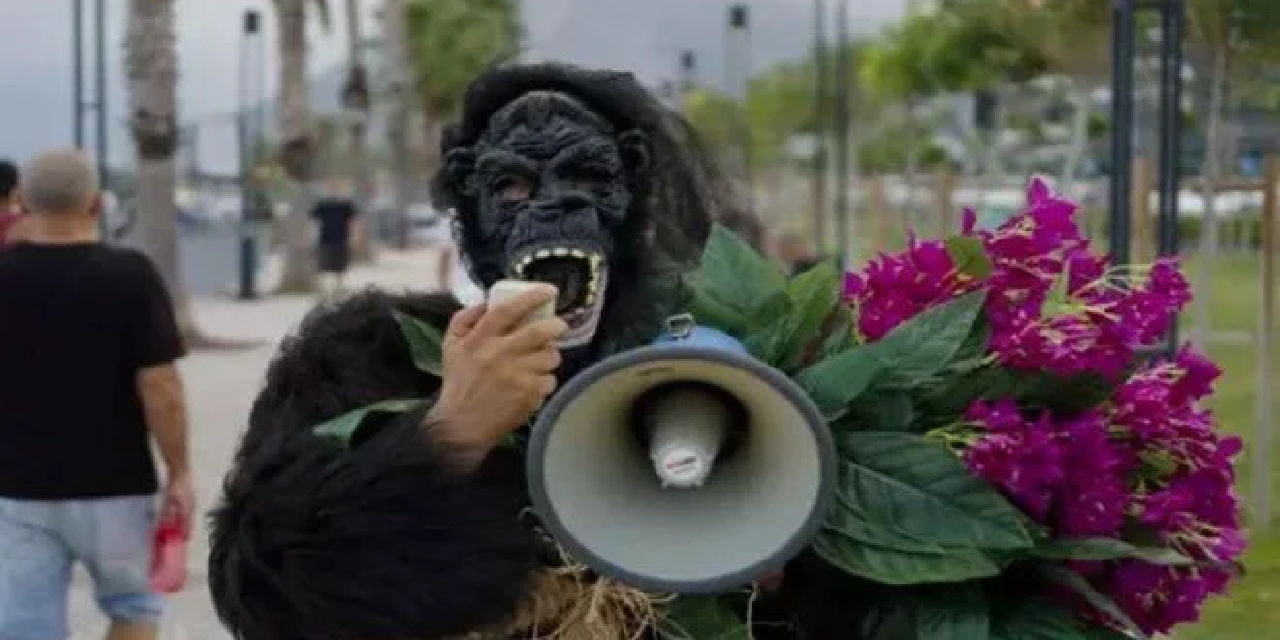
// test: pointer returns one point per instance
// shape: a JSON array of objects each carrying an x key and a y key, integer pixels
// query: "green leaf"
[
  {"x": 960, "y": 612},
  {"x": 710, "y": 312},
  {"x": 814, "y": 294},
  {"x": 1107, "y": 549},
  {"x": 702, "y": 618},
  {"x": 1021, "y": 619},
  {"x": 426, "y": 343},
  {"x": 344, "y": 427},
  {"x": 734, "y": 275},
  {"x": 766, "y": 338},
  {"x": 916, "y": 486},
  {"x": 927, "y": 344},
  {"x": 889, "y": 564},
  {"x": 1075, "y": 582},
  {"x": 839, "y": 380},
  {"x": 969, "y": 256},
  {"x": 840, "y": 336},
  {"x": 1056, "y": 299},
  {"x": 1060, "y": 395},
  {"x": 881, "y": 411}
]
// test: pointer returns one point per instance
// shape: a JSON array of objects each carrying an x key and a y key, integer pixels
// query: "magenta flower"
[{"x": 1148, "y": 458}]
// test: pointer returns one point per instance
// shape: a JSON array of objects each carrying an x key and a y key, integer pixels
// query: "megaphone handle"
[{"x": 505, "y": 290}]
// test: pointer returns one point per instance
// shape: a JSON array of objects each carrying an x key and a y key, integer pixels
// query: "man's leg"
[
  {"x": 113, "y": 537},
  {"x": 35, "y": 573}
]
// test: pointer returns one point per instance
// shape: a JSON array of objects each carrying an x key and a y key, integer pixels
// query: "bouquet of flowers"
[{"x": 1011, "y": 467}]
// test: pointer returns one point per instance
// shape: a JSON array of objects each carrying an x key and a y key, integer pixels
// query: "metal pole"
[
  {"x": 738, "y": 68},
  {"x": 402, "y": 118},
  {"x": 100, "y": 104},
  {"x": 842, "y": 69},
  {"x": 820, "y": 129},
  {"x": 1122, "y": 51},
  {"x": 1172, "y": 18},
  {"x": 77, "y": 71},
  {"x": 248, "y": 189},
  {"x": 1263, "y": 435}
]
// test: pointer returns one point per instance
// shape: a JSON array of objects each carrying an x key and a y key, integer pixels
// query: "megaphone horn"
[{"x": 686, "y": 466}]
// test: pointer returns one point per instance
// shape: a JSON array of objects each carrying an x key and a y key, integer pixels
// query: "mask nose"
[{"x": 553, "y": 205}]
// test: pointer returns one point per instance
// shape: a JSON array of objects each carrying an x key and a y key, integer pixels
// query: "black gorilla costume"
[{"x": 555, "y": 173}]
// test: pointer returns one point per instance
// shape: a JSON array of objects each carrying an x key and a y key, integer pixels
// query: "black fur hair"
[{"x": 380, "y": 542}]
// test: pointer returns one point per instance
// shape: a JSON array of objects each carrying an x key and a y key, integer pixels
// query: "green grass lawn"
[{"x": 1252, "y": 609}]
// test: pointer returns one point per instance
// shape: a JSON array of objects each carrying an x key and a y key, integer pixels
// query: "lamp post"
[
  {"x": 249, "y": 128},
  {"x": 99, "y": 105},
  {"x": 820, "y": 121},
  {"x": 843, "y": 70},
  {"x": 738, "y": 66},
  {"x": 688, "y": 77},
  {"x": 1123, "y": 53}
]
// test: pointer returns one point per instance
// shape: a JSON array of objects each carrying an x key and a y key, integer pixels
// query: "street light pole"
[
  {"x": 843, "y": 70},
  {"x": 100, "y": 104},
  {"x": 738, "y": 62},
  {"x": 77, "y": 72},
  {"x": 1122, "y": 53},
  {"x": 820, "y": 120},
  {"x": 249, "y": 129}
]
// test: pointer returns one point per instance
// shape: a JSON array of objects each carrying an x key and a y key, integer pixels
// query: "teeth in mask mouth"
[{"x": 580, "y": 274}]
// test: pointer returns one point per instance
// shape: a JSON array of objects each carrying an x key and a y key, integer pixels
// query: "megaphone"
[{"x": 686, "y": 466}]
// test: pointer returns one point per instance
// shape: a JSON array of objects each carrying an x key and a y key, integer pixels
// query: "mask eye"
[{"x": 512, "y": 188}]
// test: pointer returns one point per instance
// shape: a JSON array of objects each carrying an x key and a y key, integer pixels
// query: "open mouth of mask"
[{"x": 580, "y": 274}]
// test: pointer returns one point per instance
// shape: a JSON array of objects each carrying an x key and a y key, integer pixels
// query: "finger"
[
  {"x": 502, "y": 317},
  {"x": 535, "y": 336},
  {"x": 540, "y": 362},
  {"x": 464, "y": 320},
  {"x": 544, "y": 385}
]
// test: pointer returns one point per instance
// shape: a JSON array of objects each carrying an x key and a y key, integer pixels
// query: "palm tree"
[
  {"x": 355, "y": 99},
  {"x": 151, "y": 62},
  {"x": 448, "y": 43},
  {"x": 297, "y": 153}
]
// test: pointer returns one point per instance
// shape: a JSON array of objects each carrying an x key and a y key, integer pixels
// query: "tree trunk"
[
  {"x": 297, "y": 154},
  {"x": 1211, "y": 173},
  {"x": 912, "y": 168},
  {"x": 152, "y": 67},
  {"x": 1079, "y": 140},
  {"x": 358, "y": 159}
]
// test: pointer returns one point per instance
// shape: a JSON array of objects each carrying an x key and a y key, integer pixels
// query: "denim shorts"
[{"x": 40, "y": 542}]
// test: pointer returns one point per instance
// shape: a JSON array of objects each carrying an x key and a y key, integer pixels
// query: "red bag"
[
  {"x": 169, "y": 556},
  {"x": 7, "y": 219}
]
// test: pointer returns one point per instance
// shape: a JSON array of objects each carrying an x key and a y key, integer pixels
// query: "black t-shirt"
[
  {"x": 77, "y": 322},
  {"x": 334, "y": 216}
]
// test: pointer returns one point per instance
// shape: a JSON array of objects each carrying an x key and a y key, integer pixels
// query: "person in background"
[
  {"x": 334, "y": 215},
  {"x": 795, "y": 254},
  {"x": 744, "y": 222},
  {"x": 11, "y": 227},
  {"x": 87, "y": 380}
]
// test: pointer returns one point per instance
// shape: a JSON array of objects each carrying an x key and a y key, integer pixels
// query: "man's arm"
[
  {"x": 164, "y": 405},
  {"x": 156, "y": 345}
]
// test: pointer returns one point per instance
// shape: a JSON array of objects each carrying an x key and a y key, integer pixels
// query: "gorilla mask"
[
  {"x": 551, "y": 181},
  {"x": 577, "y": 178}
]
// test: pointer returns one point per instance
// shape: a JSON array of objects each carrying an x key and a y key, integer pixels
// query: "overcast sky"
[{"x": 641, "y": 35}]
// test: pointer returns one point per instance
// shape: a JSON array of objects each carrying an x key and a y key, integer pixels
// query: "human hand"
[
  {"x": 178, "y": 503},
  {"x": 497, "y": 370}
]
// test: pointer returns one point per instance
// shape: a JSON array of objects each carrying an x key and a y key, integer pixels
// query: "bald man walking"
[{"x": 87, "y": 379}]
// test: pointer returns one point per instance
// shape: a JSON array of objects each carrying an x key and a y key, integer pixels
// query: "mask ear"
[
  {"x": 459, "y": 175},
  {"x": 633, "y": 145}
]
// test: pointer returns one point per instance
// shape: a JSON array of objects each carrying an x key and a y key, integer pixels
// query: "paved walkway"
[{"x": 220, "y": 387}]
